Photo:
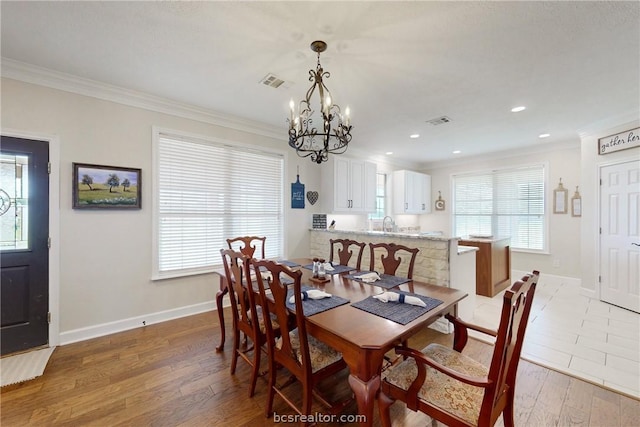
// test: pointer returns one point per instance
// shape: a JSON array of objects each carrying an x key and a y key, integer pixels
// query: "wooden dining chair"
[
  {"x": 390, "y": 263},
  {"x": 455, "y": 389},
  {"x": 246, "y": 314},
  {"x": 248, "y": 245},
  {"x": 343, "y": 248},
  {"x": 307, "y": 359}
]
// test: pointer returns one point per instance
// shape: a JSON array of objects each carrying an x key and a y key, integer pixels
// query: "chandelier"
[{"x": 333, "y": 133}]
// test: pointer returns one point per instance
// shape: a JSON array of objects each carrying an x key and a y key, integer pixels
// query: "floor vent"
[{"x": 439, "y": 121}]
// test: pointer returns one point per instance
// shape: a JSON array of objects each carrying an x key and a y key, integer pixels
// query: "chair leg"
[
  {"x": 255, "y": 371},
  {"x": 384, "y": 405},
  {"x": 236, "y": 349},
  {"x": 271, "y": 387},
  {"x": 507, "y": 414},
  {"x": 307, "y": 400}
]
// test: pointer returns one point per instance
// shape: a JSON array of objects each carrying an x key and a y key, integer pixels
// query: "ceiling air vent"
[
  {"x": 439, "y": 121},
  {"x": 271, "y": 81}
]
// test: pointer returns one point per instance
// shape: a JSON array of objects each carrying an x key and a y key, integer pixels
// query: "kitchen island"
[{"x": 440, "y": 260}]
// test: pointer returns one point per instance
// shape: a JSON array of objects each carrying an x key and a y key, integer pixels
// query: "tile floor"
[{"x": 577, "y": 335}]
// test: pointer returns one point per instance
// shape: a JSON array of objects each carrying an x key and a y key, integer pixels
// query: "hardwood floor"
[{"x": 169, "y": 374}]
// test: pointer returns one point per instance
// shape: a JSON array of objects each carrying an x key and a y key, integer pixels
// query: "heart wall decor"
[{"x": 312, "y": 197}]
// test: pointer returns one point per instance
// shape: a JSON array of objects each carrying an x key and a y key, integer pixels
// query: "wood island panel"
[{"x": 493, "y": 264}]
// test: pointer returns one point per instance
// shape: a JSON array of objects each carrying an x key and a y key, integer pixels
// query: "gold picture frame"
[
  {"x": 576, "y": 204},
  {"x": 560, "y": 199}
]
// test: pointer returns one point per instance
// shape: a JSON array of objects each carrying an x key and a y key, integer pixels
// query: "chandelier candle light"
[{"x": 335, "y": 132}]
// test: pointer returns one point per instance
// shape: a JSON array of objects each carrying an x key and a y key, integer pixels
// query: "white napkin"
[
  {"x": 311, "y": 294},
  {"x": 368, "y": 277},
  {"x": 328, "y": 266},
  {"x": 394, "y": 297},
  {"x": 266, "y": 275}
]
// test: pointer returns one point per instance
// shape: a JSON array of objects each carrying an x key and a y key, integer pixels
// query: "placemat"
[
  {"x": 287, "y": 263},
  {"x": 315, "y": 306},
  {"x": 337, "y": 269},
  {"x": 397, "y": 312},
  {"x": 386, "y": 281}
]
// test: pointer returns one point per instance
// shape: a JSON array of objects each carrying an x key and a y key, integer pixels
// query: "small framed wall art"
[
  {"x": 560, "y": 198},
  {"x": 576, "y": 204},
  {"x": 106, "y": 187}
]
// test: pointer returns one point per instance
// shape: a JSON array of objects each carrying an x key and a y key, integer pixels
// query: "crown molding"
[
  {"x": 69, "y": 83},
  {"x": 506, "y": 154}
]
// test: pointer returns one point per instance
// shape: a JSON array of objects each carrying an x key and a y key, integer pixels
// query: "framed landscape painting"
[{"x": 106, "y": 187}]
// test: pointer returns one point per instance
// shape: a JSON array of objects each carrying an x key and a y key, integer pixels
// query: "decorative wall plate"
[{"x": 312, "y": 197}]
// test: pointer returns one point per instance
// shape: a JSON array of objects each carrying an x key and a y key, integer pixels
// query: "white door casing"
[{"x": 620, "y": 234}]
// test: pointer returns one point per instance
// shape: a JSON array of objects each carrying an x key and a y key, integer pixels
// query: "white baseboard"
[
  {"x": 548, "y": 278},
  {"x": 95, "y": 331}
]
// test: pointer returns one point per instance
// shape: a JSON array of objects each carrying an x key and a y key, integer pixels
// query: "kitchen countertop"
[
  {"x": 465, "y": 249},
  {"x": 483, "y": 239},
  {"x": 426, "y": 236}
]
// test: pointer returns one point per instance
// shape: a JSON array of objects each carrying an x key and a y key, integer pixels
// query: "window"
[
  {"x": 507, "y": 202},
  {"x": 381, "y": 194},
  {"x": 206, "y": 192}
]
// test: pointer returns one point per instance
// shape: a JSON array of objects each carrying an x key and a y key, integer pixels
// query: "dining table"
[{"x": 362, "y": 335}]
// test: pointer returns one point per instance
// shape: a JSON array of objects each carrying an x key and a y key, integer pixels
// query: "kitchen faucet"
[{"x": 384, "y": 221}]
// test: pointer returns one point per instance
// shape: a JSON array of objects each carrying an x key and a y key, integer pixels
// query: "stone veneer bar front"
[{"x": 440, "y": 260}]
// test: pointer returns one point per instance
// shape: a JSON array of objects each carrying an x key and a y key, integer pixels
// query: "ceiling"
[{"x": 397, "y": 65}]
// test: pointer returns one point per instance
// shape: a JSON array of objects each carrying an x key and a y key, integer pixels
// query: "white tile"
[
  {"x": 618, "y": 324},
  {"x": 608, "y": 348},
  {"x": 623, "y": 364},
  {"x": 542, "y": 353},
  {"x": 567, "y": 336},
  {"x": 628, "y": 391},
  {"x": 617, "y": 342},
  {"x": 577, "y": 335},
  {"x": 607, "y": 373}
]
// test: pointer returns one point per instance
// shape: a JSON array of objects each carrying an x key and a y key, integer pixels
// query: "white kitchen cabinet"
[
  {"x": 349, "y": 185},
  {"x": 411, "y": 192}
]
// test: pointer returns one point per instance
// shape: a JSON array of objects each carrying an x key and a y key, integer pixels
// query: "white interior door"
[{"x": 620, "y": 235}]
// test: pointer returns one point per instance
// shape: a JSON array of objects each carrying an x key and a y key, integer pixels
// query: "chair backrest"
[
  {"x": 344, "y": 252},
  {"x": 516, "y": 306},
  {"x": 243, "y": 299},
  {"x": 248, "y": 245},
  {"x": 286, "y": 354},
  {"x": 388, "y": 257}
]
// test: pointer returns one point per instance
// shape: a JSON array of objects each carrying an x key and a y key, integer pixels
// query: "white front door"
[{"x": 620, "y": 235}]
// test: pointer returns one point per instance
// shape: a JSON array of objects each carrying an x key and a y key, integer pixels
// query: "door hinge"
[
  {"x": 599, "y": 279},
  {"x": 49, "y": 168},
  {"x": 49, "y": 242},
  {"x": 49, "y": 317}
]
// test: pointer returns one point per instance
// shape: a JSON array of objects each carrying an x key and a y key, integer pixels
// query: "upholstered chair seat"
[
  {"x": 441, "y": 390},
  {"x": 321, "y": 354},
  {"x": 261, "y": 326}
]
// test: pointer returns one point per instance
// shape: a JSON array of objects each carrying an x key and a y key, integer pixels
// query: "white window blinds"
[
  {"x": 207, "y": 192},
  {"x": 508, "y": 202}
]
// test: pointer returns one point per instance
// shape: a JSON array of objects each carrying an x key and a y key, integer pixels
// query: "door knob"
[{"x": 636, "y": 244}]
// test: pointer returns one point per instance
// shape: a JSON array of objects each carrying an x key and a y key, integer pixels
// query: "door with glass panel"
[{"x": 24, "y": 244}]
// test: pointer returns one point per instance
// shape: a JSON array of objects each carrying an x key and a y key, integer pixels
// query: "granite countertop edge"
[{"x": 394, "y": 234}]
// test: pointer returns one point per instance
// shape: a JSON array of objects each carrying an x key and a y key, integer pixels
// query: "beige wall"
[
  {"x": 564, "y": 247},
  {"x": 105, "y": 256}
]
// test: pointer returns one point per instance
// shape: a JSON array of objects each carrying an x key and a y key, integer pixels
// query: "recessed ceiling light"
[
  {"x": 518, "y": 109},
  {"x": 456, "y": 152},
  {"x": 414, "y": 135},
  {"x": 388, "y": 153},
  {"x": 544, "y": 135}
]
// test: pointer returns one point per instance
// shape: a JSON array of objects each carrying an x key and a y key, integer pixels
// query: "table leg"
[
  {"x": 219, "y": 295},
  {"x": 365, "y": 392}
]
